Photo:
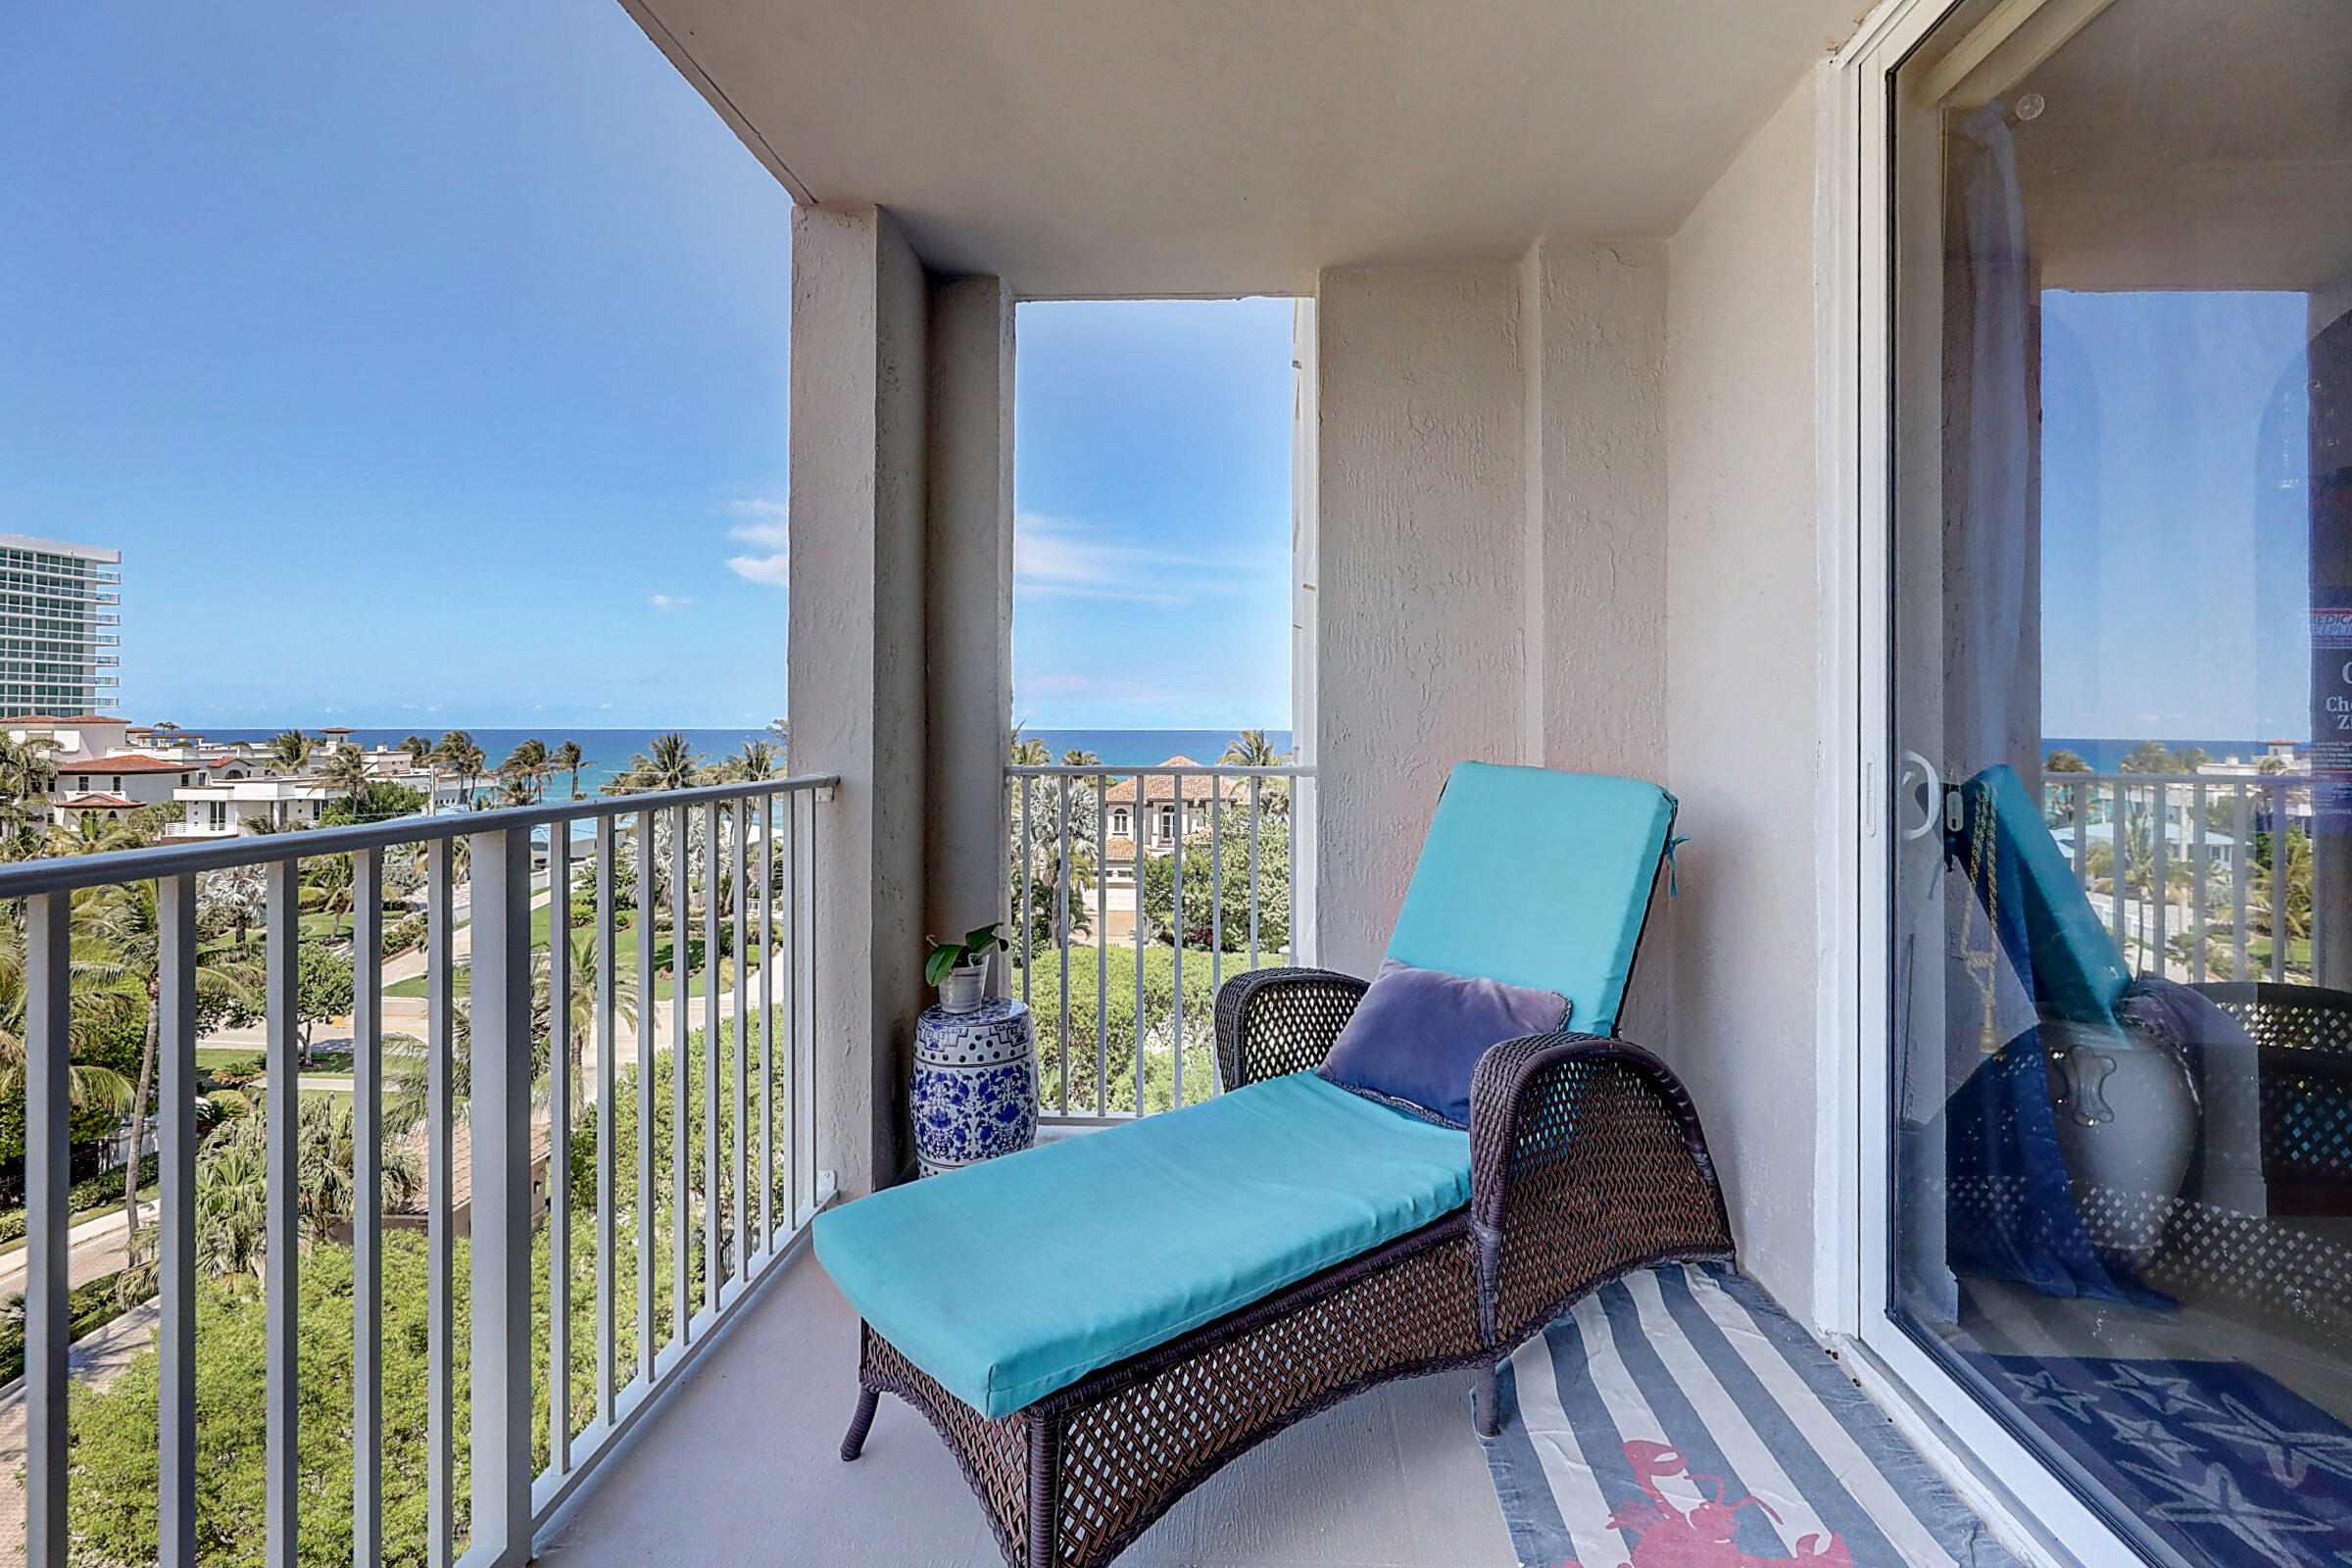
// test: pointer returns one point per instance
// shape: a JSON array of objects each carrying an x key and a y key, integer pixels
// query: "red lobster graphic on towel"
[{"x": 1663, "y": 1536}]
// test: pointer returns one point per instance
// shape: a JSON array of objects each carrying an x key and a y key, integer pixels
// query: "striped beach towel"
[{"x": 1678, "y": 1419}]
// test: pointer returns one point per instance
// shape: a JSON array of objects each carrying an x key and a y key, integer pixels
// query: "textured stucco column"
[
  {"x": 855, "y": 651},
  {"x": 968, "y": 598},
  {"x": 1419, "y": 569}
]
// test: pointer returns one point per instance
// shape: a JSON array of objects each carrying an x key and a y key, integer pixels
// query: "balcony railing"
[
  {"x": 682, "y": 1162},
  {"x": 2198, "y": 856},
  {"x": 1119, "y": 972}
]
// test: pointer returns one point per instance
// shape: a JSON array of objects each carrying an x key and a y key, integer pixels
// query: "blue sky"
[
  {"x": 2176, "y": 537},
  {"x": 426, "y": 361}
]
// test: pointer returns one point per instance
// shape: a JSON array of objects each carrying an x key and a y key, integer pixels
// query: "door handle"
[{"x": 1919, "y": 767}]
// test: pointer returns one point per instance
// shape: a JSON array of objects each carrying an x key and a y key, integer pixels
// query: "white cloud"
[
  {"x": 668, "y": 604},
  {"x": 765, "y": 524},
  {"x": 776, "y": 570},
  {"x": 1057, "y": 556}
]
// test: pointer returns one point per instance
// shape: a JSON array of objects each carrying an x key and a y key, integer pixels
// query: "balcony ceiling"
[{"x": 1217, "y": 147}]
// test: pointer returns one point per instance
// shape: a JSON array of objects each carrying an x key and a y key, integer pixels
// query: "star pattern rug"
[{"x": 2223, "y": 1462}]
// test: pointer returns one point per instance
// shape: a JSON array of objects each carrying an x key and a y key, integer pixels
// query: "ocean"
[
  {"x": 608, "y": 749},
  {"x": 2105, "y": 756}
]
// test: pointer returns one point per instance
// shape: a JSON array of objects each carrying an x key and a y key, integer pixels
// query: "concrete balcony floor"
[{"x": 739, "y": 1465}]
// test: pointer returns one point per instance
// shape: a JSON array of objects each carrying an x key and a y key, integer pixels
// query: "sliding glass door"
[{"x": 2120, "y": 668}]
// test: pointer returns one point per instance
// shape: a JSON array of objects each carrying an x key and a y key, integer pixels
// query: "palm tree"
[
  {"x": 329, "y": 888},
  {"x": 526, "y": 770},
  {"x": 418, "y": 747},
  {"x": 96, "y": 998},
  {"x": 407, "y": 1064},
  {"x": 567, "y": 759},
  {"x": 457, "y": 752},
  {"x": 1251, "y": 749},
  {"x": 1077, "y": 756},
  {"x": 232, "y": 1183},
  {"x": 345, "y": 771},
  {"x": 1030, "y": 751},
  {"x": 124, "y": 921},
  {"x": 28, "y": 777},
  {"x": 668, "y": 763},
  {"x": 757, "y": 760},
  {"x": 233, "y": 899},
  {"x": 290, "y": 751}
]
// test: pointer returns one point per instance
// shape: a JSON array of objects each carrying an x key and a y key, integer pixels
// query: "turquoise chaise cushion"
[
  {"x": 1537, "y": 878},
  {"x": 2078, "y": 975},
  {"x": 1009, "y": 1280}
]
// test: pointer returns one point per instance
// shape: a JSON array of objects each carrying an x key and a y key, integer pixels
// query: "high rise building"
[{"x": 59, "y": 620}]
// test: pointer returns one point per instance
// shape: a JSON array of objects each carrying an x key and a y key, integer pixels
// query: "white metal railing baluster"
[
  {"x": 1028, "y": 888},
  {"x": 2160, "y": 833},
  {"x": 2241, "y": 861},
  {"x": 1216, "y": 893},
  {"x": 739, "y": 1208},
  {"x": 48, "y": 1157},
  {"x": 608, "y": 1031},
  {"x": 1176, "y": 913},
  {"x": 2118, "y": 865},
  {"x": 1136, "y": 852},
  {"x": 681, "y": 991},
  {"x": 1062, "y": 939},
  {"x": 499, "y": 1117},
  {"x": 1256, "y": 805},
  {"x": 1101, "y": 944},
  {"x": 2278, "y": 933},
  {"x": 440, "y": 1174},
  {"x": 558, "y": 1156},
  {"x": 366, "y": 1205},
  {"x": 713, "y": 1237},
  {"x": 767, "y": 1023},
  {"x": 2197, "y": 878},
  {"x": 649, "y": 1014},
  {"x": 282, "y": 1454},
  {"x": 175, "y": 1254}
]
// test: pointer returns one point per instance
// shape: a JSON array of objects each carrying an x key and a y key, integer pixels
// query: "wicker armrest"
[
  {"x": 1276, "y": 1021},
  {"x": 1585, "y": 1160}
]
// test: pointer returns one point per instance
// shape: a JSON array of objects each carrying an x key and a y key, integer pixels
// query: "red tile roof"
[
  {"x": 51, "y": 718},
  {"x": 1197, "y": 787},
  {"x": 80, "y": 803},
  {"x": 127, "y": 763}
]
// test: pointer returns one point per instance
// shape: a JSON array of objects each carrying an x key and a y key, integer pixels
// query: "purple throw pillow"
[{"x": 1418, "y": 1033}]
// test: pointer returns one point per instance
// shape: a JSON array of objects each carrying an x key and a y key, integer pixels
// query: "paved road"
[{"x": 93, "y": 1250}]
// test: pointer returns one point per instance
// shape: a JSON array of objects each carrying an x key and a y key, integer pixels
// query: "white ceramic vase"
[{"x": 2127, "y": 1122}]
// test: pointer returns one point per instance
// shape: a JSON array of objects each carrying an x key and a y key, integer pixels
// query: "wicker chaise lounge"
[{"x": 1100, "y": 1324}]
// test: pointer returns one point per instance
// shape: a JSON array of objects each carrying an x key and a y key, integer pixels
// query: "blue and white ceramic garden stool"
[{"x": 975, "y": 1083}]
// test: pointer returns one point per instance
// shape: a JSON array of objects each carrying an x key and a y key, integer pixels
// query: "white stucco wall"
[
  {"x": 1743, "y": 612},
  {"x": 1490, "y": 549}
]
